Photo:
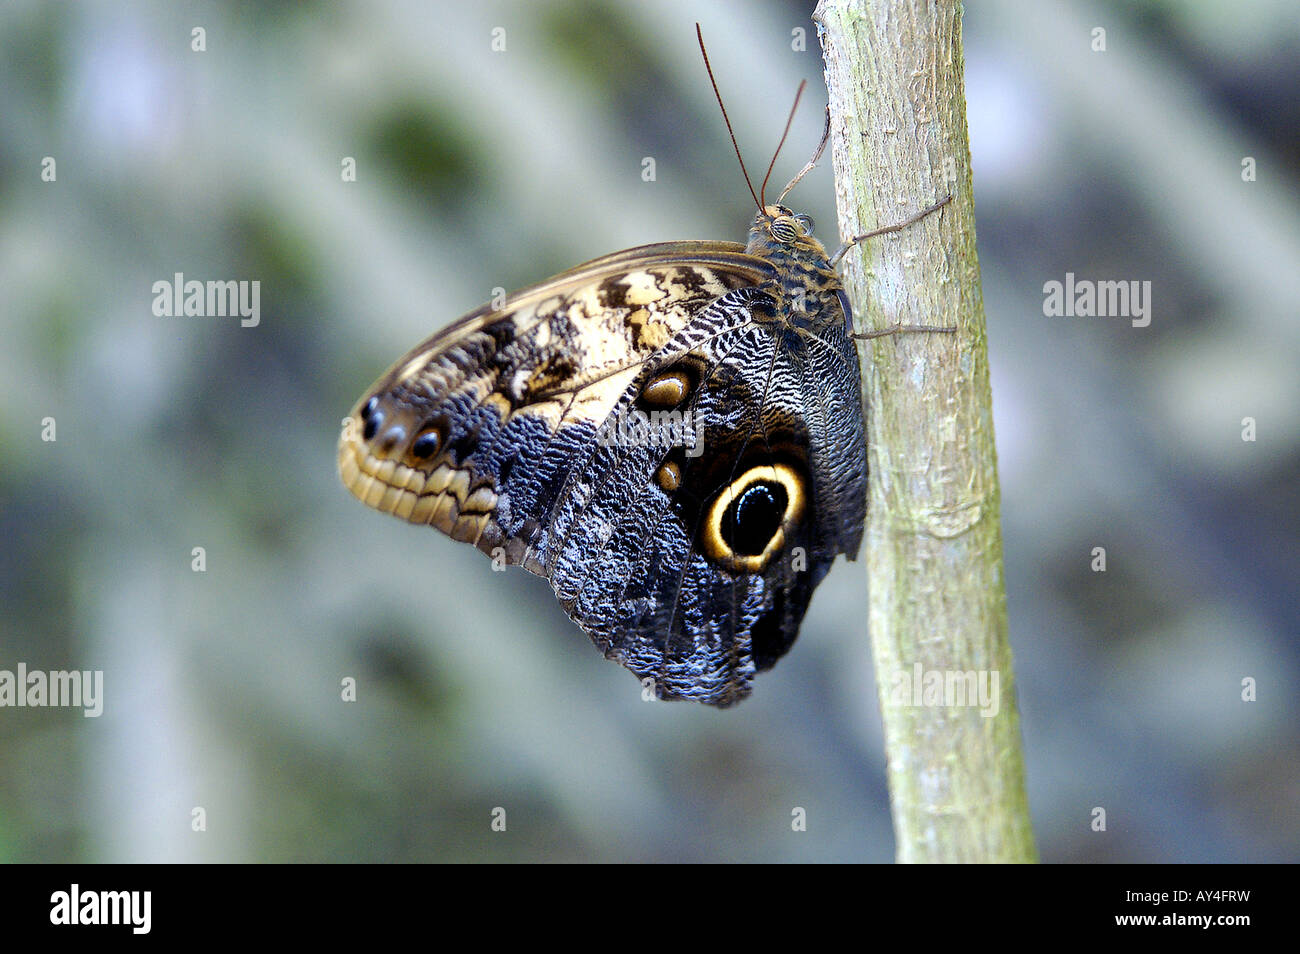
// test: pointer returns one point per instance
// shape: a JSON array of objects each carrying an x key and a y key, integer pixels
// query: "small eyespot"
[
  {"x": 427, "y": 443},
  {"x": 672, "y": 386},
  {"x": 393, "y": 437},
  {"x": 805, "y": 223},
  {"x": 668, "y": 389},
  {"x": 669, "y": 476},
  {"x": 372, "y": 419}
]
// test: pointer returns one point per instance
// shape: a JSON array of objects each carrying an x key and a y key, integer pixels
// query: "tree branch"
[{"x": 937, "y": 599}]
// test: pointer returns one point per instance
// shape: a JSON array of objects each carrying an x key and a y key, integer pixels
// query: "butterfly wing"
[
  {"x": 474, "y": 430},
  {"x": 692, "y": 562},
  {"x": 497, "y": 431}
]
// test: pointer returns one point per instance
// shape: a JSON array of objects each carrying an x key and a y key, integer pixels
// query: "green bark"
[{"x": 934, "y": 546}]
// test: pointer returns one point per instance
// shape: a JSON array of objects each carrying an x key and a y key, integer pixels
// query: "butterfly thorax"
[{"x": 807, "y": 288}]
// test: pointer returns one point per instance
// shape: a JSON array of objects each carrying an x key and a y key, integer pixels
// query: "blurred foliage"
[{"x": 479, "y": 169}]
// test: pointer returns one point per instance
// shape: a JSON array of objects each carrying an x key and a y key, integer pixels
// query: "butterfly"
[{"x": 672, "y": 435}]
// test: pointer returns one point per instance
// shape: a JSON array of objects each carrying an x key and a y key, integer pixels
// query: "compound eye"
[
  {"x": 805, "y": 223},
  {"x": 785, "y": 229}
]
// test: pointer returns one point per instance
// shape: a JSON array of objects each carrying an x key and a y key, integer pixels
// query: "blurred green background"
[{"x": 478, "y": 169}]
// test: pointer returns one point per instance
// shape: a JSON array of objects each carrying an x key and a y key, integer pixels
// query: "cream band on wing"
[{"x": 441, "y": 499}]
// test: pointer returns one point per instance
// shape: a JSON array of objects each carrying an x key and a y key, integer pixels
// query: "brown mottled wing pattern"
[
  {"x": 633, "y": 556},
  {"x": 474, "y": 430},
  {"x": 689, "y": 561}
]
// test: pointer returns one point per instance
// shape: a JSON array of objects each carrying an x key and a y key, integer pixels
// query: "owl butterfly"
[{"x": 672, "y": 435}]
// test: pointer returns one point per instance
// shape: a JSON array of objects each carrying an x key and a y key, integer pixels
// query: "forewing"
[{"x": 475, "y": 430}]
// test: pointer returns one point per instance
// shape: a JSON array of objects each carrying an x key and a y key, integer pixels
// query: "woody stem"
[{"x": 937, "y": 604}]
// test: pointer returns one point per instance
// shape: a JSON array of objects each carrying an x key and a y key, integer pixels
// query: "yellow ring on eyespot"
[{"x": 796, "y": 499}]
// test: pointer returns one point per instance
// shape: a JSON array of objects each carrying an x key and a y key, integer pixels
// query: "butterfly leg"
[
  {"x": 882, "y": 231},
  {"x": 860, "y": 335},
  {"x": 897, "y": 227}
]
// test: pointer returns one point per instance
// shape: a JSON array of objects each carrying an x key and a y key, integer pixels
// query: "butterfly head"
[
  {"x": 807, "y": 287},
  {"x": 776, "y": 228},
  {"x": 785, "y": 239}
]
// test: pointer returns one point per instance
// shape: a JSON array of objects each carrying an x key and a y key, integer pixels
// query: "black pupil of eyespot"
[
  {"x": 371, "y": 418},
  {"x": 753, "y": 518},
  {"x": 426, "y": 445}
]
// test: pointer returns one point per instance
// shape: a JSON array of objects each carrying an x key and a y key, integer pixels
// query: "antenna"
[
  {"x": 762, "y": 190},
  {"x": 700, "y": 36},
  {"x": 808, "y": 167}
]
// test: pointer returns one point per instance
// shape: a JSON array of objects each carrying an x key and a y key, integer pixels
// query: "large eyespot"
[
  {"x": 784, "y": 229},
  {"x": 805, "y": 223},
  {"x": 747, "y": 523},
  {"x": 753, "y": 518}
]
